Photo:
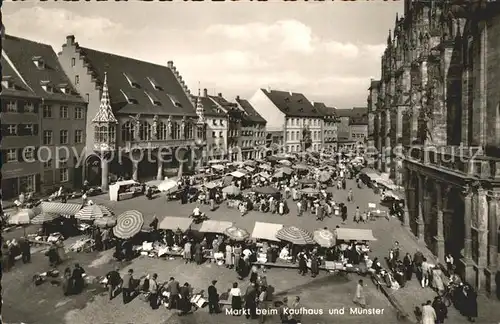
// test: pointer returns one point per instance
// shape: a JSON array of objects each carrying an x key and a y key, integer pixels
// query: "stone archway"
[
  {"x": 148, "y": 166},
  {"x": 120, "y": 167},
  {"x": 413, "y": 202},
  {"x": 454, "y": 226},
  {"x": 93, "y": 170},
  {"x": 430, "y": 213}
]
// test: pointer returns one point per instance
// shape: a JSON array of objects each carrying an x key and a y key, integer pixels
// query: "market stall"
[
  {"x": 213, "y": 226},
  {"x": 123, "y": 190},
  {"x": 128, "y": 224},
  {"x": 266, "y": 231},
  {"x": 92, "y": 212},
  {"x": 236, "y": 233},
  {"x": 325, "y": 238},
  {"x": 60, "y": 208},
  {"x": 238, "y": 174},
  {"x": 174, "y": 223},
  {"x": 265, "y": 190},
  {"x": 295, "y": 235},
  {"x": 355, "y": 234}
]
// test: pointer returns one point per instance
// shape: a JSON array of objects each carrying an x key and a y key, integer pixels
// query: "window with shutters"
[
  {"x": 11, "y": 130},
  {"x": 79, "y": 113},
  {"x": 78, "y": 136},
  {"x": 47, "y": 137},
  {"x": 63, "y": 112},
  {"x": 73, "y": 61},
  {"x": 64, "y": 175},
  {"x": 27, "y": 183},
  {"x": 47, "y": 111},
  {"x": 63, "y": 136},
  {"x": 12, "y": 155},
  {"x": 29, "y": 107},
  {"x": 29, "y": 129},
  {"x": 12, "y": 106}
]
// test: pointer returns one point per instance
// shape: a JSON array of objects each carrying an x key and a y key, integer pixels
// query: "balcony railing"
[
  {"x": 466, "y": 160},
  {"x": 159, "y": 143}
]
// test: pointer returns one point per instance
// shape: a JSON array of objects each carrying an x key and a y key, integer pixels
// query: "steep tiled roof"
[
  {"x": 353, "y": 112},
  {"x": 211, "y": 108},
  {"x": 142, "y": 82},
  {"x": 18, "y": 87},
  {"x": 105, "y": 112},
  {"x": 223, "y": 102},
  {"x": 250, "y": 113},
  {"x": 23, "y": 53},
  {"x": 324, "y": 110},
  {"x": 292, "y": 104}
]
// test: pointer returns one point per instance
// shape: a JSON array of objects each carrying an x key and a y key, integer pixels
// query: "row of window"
[
  {"x": 249, "y": 143},
  {"x": 219, "y": 122},
  {"x": 20, "y": 129},
  {"x": 303, "y": 122},
  {"x": 48, "y": 137},
  {"x": 64, "y": 113},
  {"x": 19, "y": 155},
  {"x": 14, "y": 106},
  {"x": 330, "y": 132},
  {"x": 358, "y": 135},
  {"x": 297, "y": 148},
  {"x": 146, "y": 131},
  {"x": 297, "y": 136}
]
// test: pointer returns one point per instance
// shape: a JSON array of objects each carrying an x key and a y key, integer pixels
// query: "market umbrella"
[
  {"x": 285, "y": 162},
  {"x": 128, "y": 224},
  {"x": 279, "y": 175},
  {"x": 238, "y": 174},
  {"x": 301, "y": 167},
  {"x": 310, "y": 191},
  {"x": 286, "y": 170},
  {"x": 93, "y": 212},
  {"x": 250, "y": 163},
  {"x": 324, "y": 238},
  {"x": 324, "y": 176},
  {"x": 266, "y": 167},
  {"x": 44, "y": 218},
  {"x": 306, "y": 181},
  {"x": 266, "y": 190},
  {"x": 295, "y": 235},
  {"x": 23, "y": 217},
  {"x": 236, "y": 233},
  {"x": 107, "y": 221},
  {"x": 231, "y": 190},
  {"x": 218, "y": 167},
  {"x": 168, "y": 185}
]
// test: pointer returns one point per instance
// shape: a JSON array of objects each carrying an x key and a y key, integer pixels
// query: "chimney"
[
  {"x": 237, "y": 98},
  {"x": 291, "y": 93},
  {"x": 219, "y": 95},
  {"x": 205, "y": 92},
  {"x": 70, "y": 40},
  {"x": 312, "y": 103},
  {"x": 170, "y": 64}
]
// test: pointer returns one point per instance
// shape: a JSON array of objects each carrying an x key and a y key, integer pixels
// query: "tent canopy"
[
  {"x": 126, "y": 183},
  {"x": 174, "y": 223},
  {"x": 237, "y": 174},
  {"x": 214, "y": 226},
  {"x": 354, "y": 234},
  {"x": 266, "y": 231},
  {"x": 60, "y": 208}
]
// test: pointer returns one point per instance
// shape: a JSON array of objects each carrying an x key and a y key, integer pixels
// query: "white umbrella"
[
  {"x": 167, "y": 185},
  {"x": 218, "y": 167},
  {"x": 23, "y": 217},
  {"x": 237, "y": 174}
]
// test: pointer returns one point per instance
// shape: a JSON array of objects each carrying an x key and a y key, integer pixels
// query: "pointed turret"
[
  {"x": 389, "y": 38},
  {"x": 105, "y": 113},
  {"x": 200, "y": 110},
  {"x": 397, "y": 18}
]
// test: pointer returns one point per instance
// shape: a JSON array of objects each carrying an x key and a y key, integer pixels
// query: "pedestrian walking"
[
  {"x": 213, "y": 298},
  {"x": 440, "y": 309},
  {"x": 428, "y": 314},
  {"x": 153, "y": 291},
  {"x": 127, "y": 286},
  {"x": 114, "y": 281},
  {"x": 359, "y": 296}
]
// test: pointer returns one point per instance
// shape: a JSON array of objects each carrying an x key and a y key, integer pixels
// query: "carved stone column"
[
  {"x": 420, "y": 209},
  {"x": 467, "y": 259},
  {"x": 104, "y": 173},
  {"x": 439, "y": 238},
  {"x": 159, "y": 171},
  {"x": 492, "y": 268},
  {"x": 482, "y": 238},
  {"x": 135, "y": 170}
]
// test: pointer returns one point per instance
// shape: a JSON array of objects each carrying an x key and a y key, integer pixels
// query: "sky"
[{"x": 327, "y": 51}]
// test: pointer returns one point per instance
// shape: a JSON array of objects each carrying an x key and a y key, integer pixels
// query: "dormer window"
[
  {"x": 174, "y": 100},
  {"x": 64, "y": 88},
  {"x": 129, "y": 98},
  {"x": 131, "y": 81},
  {"x": 39, "y": 62},
  {"x": 155, "y": 101},
  {"x": 7, "y": 82},
  {"x": 155, "y": 84},
  {"x": 47, "y": 86},
  {"x": 301, "y": 109},
  {"x": 287, "y": 99}
]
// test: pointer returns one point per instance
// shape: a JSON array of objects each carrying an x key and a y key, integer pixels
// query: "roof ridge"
[{"x": 121, "y": 56}]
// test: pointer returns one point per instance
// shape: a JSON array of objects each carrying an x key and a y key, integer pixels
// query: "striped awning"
[
  {"x": 60, "y": 208},
  {"x": 44, "y": 218}
]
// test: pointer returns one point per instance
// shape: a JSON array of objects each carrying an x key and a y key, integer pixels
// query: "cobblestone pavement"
[{"x": 46, "y": 304}]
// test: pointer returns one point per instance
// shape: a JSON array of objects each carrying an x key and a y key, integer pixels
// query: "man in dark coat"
[
  {"x": 24, "y": 245},
  {"x": 251, "y": 301},
  {"x": 77, "y": 277},
  {"x": 114, "y": 280},
  {"x": 128, "y": 286},
  {"x": 302, "y": 264},
  {"x": 173, "y": 288},
  {"x": 213, "y": 298},
  {"x": 440, "y": 309}
]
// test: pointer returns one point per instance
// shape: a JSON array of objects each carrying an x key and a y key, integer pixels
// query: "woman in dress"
[
  {"x": 359, "y": 296},
  {"x": 229, "y": 256},
  {"x": 235, "y": 294},
  {"x": 187, "y": 252},
  {"x": 66, "y": 284}
]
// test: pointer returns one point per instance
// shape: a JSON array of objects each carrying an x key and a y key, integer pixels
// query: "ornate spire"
[
  {"x": 200, "y": 110},
  {"x": 389, "y": 38},
  {"x": 105, "y": 113}
]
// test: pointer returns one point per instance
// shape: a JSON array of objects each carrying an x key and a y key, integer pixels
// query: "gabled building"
[
  {"x": 353, "y": 127},
  {"x": 293, "y": 114},
  {"x": 54, "y": 116},
  {"x": 157, "y": 122},
  {"x": 329, "y": 127},
  {"x": 252, "y": 139},
  {"x": 233, "y": 115}
]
